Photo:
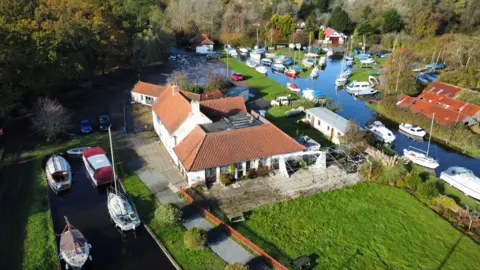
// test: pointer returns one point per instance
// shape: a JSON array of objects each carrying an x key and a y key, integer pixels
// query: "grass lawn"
[
  {"x": 172, "y": 236},
  {"x": 366, "y": 226},
  {"x": 361, "y": 74}
]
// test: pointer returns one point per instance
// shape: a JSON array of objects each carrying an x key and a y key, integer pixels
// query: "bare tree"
[
  {"x": 181, "y": 79},
  {"x": 355, "y": 138},
  {"x": 473, "y": 215},
  {"x": 51, "y": 118}
]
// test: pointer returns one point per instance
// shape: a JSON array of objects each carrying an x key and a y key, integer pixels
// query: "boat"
[
  {"x": 58, "y": 173},
  {"x": 99, "y": 168},
  {"x": 287, "y": 62},
  {"x": 243, "y": 51},
  {"x": 462, "y": 179},
  {"x": 420, "y": 69},
  {"x": 298, "y": 68},
  {"x": 315, "y": 72},
  {"x": 232, "y": 52},
  {"x": 308, "y": 62},
  {"x": 291, "y": 73},
  {"x": 367, "y": 61},
  {"x": 349, "y": 63},
  {"x": 293, "y": 87},
  {"x": 311, "y": 55},
  {"x": 413, "y": 130},
  {"x": 382, "y": 133},
  {"x": 372, "y": 80},
  {"x": 278, "y": 67},
  {"x": 262, "y": 69},
  {"x": 270, "y": 55},
  {"x": 346, "y": 73},
  {"x": 311, "y": 94},
  {"x": 348, "y": 58},
  {"x": 266, "y": 61},
  {"x": 298, "y": 46},
  {"x": 251, "y": 63},
  {"x": 322, "y": 62},
  {"x": 291, "y": 46},
  {"x": 74, "y": 247},
  {"x": 122, "y": 211},
  {"x": 76, "y": 151},
  {"x": 329, "y": 54},
  {"x": 361, "y": 88},
  {"x": 420, "y": 157},
  {"x": 341, "y": 81},
  {"x": 256, "y": 56},
  {"x": 436, "y": 65}
]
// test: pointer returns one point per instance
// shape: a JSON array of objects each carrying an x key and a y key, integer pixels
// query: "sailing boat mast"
[
  {"x": 113, "y": 161},
  {"x": 430, "y": 134}
]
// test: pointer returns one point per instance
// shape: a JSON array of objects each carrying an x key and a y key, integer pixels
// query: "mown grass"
[
  {"x": 366, "y": 226},
  {"x": 361, "y": 74},
  {"x": 171, "y": 236}
]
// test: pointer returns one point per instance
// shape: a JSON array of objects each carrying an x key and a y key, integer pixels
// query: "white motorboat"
[
  {"x": 412, "y": 130},
  {"x": 76, "y": 151},
  {"x": 367, "y": 61},
  {"x": 243, "y": 51},
  {"x": 256, "y": 56},
  {"x": 311, "y": 55},
  {"x": 420, "y": 157},
  {"x": 232, "y": 52},
  {"x": 329, "y": 54},
  {"x": 462, "y": 179},
  {"x": 278, "y": 67},
  {"x": 270, "y": 55},
  {"x": 74, "y": 248},
  {"x": 382, "y": 133},
  {"x": 315, "y": 72},
  {"x": 341, "y": 81},
  {"x": 298, "y": 46},
  {"x": 122, "y": 211},
  {"x": 293, "y": 87},
  {"x": 322, "y": 62},
  {"x": 251, "y": 63},
  {"x": 58, "y": 173},
  {"x": 99, "y": 168},
  {"x": 262, "y": 69},
  {"x": 361, "y": 88},
  {"x": 291, "y": 46},
  {"x": 308, "y": 62},
  {"x": 349, "y": 58},
  {"x": 266, "y": 61}
]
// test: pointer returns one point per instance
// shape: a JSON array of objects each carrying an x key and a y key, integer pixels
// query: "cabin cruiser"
[
  {"x": 357, "y": 88},
  {"x": 74, "y": 248},
  {"x": 278, "y": 67},
  {"x": 315, "y": 72},
  {"x": 418, "y": 157},
  {"x": 382, "y": 133},
  {"x": 412, "y": 130},
  {"x": 256, "y": 56},
  {"x": 367, "y": 61},
  {"x": 311, "y": 94},
  {"x": 270, "y": 55},
  {"x": 341, "y": 81},
  {"x": 266, "y": 61},
  {"x": 243, "y": 51},
  {"x": 463, "y": 180},
  {"x": 232, "y": 52},
  {"x": 251, "y": 63},
  {"x": 287, "y": 62},
  {"x": 99, "y": 168},
  {"x": 293, "y": 87},
  {"x": 291, "y": 73},
  {"x": 262, "y": 69},
  {"x": 308, "y": 62},
  {"x": 322, "y": 62},
  {"x": 58, "y": 173}
]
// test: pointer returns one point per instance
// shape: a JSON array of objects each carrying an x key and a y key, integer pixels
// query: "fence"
[{"x": 234, "y": 233}]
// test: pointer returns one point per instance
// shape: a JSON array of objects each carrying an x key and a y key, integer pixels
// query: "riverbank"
[{"x": 460, "y": 139}]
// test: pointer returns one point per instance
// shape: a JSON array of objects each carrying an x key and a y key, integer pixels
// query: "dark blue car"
[{"x": 85, "y": 126}]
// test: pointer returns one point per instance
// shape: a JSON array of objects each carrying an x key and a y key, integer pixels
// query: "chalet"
[
  {"x": 333, "y": 37},
  {"x": 145, "y": 93},
  {"x": 201, "y": 40},
  {"x": 208, "y": 138},
  {"x": 439, "y": 99},
  {"x": 328, "y": 123}
]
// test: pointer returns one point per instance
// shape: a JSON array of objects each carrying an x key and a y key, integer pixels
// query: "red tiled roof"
[
  {"x": 148, "y": 89},
  {"x": 171, "y": 109},
  {"x": 450, "y": 103},
  {"x": 443, "y": 89},
  {"x": 202, "y": 39},
  {"x": 327, "y": 32},
  {"x": 223, "y": 106},
  {"x": 201, "y": 150},
  {"x": 214, "y": 94}
]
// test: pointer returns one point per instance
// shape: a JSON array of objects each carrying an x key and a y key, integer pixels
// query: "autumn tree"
[
  {"x": 418, "y": 26},
  {"x": 355, "y": 138},
  {"x": 397, "y": 74},
  {"x": 51, "y": 118}
]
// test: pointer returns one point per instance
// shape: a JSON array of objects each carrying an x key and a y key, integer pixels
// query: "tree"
[
  {"x": 51, "y": 118},
  {"x": 418, "y": 26},
  {"x": 339, "y": 20},
  {"x": 168, "y": 214},
  {"x": 323, "y": 5},
  {"x": 310, "y": 24},
  {"x": 195, "y": 238},
  {"x": 355, "y": 138},
  {"x": 398, "y": 77},
  {"x": 392, "y": 21},
  {"x": 236, "y": 266},
  {"x": 470, "y": 16},
  {"x": 427, "y": 190},
  {"x": 181, "y": 79}
]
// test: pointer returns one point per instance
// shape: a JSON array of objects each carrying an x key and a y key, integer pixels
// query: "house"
[
  {"x": 438, "y": 98},
  {"x": 330, "y": 124},
  {"x": 331, "y": 36},
  {"x": 201, "y": 40},
  {"x": 145, "y": 93},
  {"x": 208, "y": 138}
]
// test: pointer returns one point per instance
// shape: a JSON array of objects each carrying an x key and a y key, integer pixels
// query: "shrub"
[
  {"x": 168, "y": 214},
  {"x": 252, "y": 174},
  {"x": 263, "y": 171},
  {"x": 427, "y": 190},
  {"x": 442, "y": 204},
  {"x": 236, "y": 266},
  {"x": 401, "y": 183},
  {"x": 226, "y": 179},
  {"x": 195, "y": 238},
  {"x": 217, "y": 81},
  {"x": 195, "y": 89},
  {"x": 413, "y": 181}
]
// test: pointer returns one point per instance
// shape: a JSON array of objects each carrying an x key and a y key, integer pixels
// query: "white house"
[
  {"x": 333, "y": 37},
  {"x": 327, "y": 122},
  {"x": 145, "y": 93},
  {"x": 208, "y": 138}
]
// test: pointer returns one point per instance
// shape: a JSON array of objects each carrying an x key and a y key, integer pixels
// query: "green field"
[{"x": 366, "y": 226}]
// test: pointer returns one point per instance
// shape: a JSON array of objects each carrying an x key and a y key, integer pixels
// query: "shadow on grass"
[
  {"x": 145, "y": 206},
  {"x": 450, "y": 252}
]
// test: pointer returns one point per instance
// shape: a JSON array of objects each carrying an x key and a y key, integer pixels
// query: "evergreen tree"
[{"x": 339, "y": 20}]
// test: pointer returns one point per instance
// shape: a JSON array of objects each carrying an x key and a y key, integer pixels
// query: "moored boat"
[
  {"x": 58, "y": 173},
  {"x": 419, "y": 158},
  {"x": 341, "y": 81},
  {"x": 293, "y": 87},
  {"x": 367, "y": 61},
  {"x": 298, "y": 46},
  {"x": 251, "y": 63},
  {"x": 412, "y": 130},
  {"x": 262, "y": 69},
  {"x": 373, "y": 81},
  {"x": 382, "y": 133},
  {"x": 308, "y": 62},
  {"x": 266, "y": 61},
  {"x": 322, "y": 62},
  {"x": 74, "y": 248},
  {"x": 243, "y": 51},
  {"x": 270, "y": 55},
  {"x": 462, "y": 179},
  {"x": 315, "y": 72},
  {"x": 291, "y": 73},
  {"x": 278, "y": 67},
  {"x": 99, "y": 168},
  {"x": 311, "y": 94},
  {"x": 287, "y": 62}
]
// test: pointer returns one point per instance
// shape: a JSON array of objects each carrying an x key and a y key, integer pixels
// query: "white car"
[{"x": 280, "y": 101}]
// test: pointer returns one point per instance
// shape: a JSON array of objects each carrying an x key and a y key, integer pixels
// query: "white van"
[{"x": 202, "y": 50}]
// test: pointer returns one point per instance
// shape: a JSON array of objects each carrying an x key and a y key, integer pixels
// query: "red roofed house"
[
  {"x": 207, "y": 138},
  {"x": 439, "y": 98},
  {"x": 201, "y": 40},
  {"x": 333, "y": 37},
  {"x": 146, "y": 93}
]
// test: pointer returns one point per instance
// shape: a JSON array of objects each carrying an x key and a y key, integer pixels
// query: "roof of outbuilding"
[
  {"x": 327, "y": 32},
  {"x": 214, "y": 94},
  {"x": 148, "y": 89},
  {"x": 223, "y": 106},
  {"x": 330, "y": 117},
  {"x": 201, "y": 150},
  {"x": 442, "y": 89}
]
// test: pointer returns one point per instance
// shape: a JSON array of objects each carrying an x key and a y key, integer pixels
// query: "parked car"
[
  {"x": 103, "y": 121},
  {"x": 213, "y": 55},
  {"x": 280, "y": 101},
  {"x": 237, "y": 76},
  {"x": 85, "y": 126}
]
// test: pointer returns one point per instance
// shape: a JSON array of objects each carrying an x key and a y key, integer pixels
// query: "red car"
[{"x": 237, "y": 76}]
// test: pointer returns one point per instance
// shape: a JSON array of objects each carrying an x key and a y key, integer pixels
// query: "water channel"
[{"x": 86, "y": 208}]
